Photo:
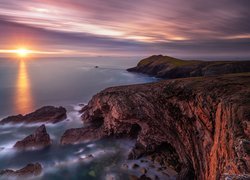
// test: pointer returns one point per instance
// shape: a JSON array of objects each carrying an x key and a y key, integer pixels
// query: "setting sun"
[{"x": 22, "y": 52}]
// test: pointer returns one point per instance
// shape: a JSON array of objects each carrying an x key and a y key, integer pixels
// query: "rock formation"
[
  {"x": 39, "y": 139},
  {"x": 169, "y": 67},
  {"x": 47, "y": 114},
  {"x": 29, "y": 170},
  {"x": 205, "y": 121}
]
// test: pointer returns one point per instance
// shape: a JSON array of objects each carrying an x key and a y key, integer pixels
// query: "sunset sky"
[{"x": 126, "y": 28}]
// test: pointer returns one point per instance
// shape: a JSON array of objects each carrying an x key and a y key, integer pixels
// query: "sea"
[{"x": 28, "y": 84}]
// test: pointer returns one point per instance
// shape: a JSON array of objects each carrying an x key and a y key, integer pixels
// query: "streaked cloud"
[{"x": 128, "y": 27}]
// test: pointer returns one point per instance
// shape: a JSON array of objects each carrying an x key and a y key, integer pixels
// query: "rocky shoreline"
[
  {"x": 168, "y": 67},
  {"x": 199, "y": 127},
  {"x": 205, "y": 121}
]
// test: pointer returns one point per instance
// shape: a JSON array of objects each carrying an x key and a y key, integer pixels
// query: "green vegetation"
[{"x": 157, "y": 60}]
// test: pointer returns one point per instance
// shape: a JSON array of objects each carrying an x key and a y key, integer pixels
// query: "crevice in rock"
[
  {"x": 134, "y": 131},
  {"x": 97, "y": 119}
]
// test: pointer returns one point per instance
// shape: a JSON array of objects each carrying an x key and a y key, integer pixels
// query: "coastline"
[{"x": 188, "y": 124}]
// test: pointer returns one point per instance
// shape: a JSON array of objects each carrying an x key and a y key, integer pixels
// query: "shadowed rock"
[
  {"x": 79, "y": 135},
  {"x": 46, "y": 114},
  {"x": 29, "y": 170},
  {"x": 203, "y": 121},
  {"x": 169, "y": 67},
  {"x": 39, "y": 139}
]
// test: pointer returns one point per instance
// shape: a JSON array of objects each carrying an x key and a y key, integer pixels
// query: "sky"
[{"x": 197, "y": 28}]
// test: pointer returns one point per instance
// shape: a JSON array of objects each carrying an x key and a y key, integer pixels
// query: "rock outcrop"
[
  {"x": 39, "y": 139},
  {"x": 169, "y": 67},
  {"x": 46, "y": 114},
  {"x": 27, "y": 171},
  {"x": 205, "y": 121}
]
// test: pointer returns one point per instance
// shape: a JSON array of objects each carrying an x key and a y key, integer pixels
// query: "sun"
[{"x": 22, "y": 52}]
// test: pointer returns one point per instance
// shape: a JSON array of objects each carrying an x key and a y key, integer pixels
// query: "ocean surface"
[{"x": 26, "y": 85}]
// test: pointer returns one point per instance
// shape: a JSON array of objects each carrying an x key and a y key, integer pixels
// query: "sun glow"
[{"x": 23, "y": 52}]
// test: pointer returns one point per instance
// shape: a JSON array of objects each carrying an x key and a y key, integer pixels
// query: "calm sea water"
[{"x": 30, "y": 84}]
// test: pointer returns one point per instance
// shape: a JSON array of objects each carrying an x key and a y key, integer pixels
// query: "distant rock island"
[{"x": 169, "y": 67}]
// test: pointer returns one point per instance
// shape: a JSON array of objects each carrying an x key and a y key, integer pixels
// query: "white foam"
[
  {"x": 79, "y": 151},
  {"x": 91, "y": 145}
]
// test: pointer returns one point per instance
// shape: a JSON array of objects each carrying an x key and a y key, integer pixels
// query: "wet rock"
[
  {"x": 201, "y": 121},
  {"x": 83, "y": 109},
  {"x": 133, "y": 177},
  {"x": 46, "y": 114},
  {"x": 135, "y": 166},
  {"x": 143, "y": 170},
  {"x": 124, "y": 166},
  {"x": 29, "y": 170},
  {"x": 144, "y": 177},
  {"x": 79, "y": 135},
  {"x": 87, "y": 158},
  {"x": 39, "y": 139}
]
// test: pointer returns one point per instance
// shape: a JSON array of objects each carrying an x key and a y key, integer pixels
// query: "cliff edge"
[{"x": 204, "y": 120}]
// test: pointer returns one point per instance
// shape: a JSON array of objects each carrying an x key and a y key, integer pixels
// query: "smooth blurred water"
[{"x": 28, "y": 84}]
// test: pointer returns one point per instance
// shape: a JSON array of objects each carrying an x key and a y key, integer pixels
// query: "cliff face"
[
  {"x": 205, "y": 120},
  {"x": 169, "y": 67}
]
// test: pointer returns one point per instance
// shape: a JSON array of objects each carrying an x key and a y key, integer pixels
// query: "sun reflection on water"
[{"x": 23, "y": 100}]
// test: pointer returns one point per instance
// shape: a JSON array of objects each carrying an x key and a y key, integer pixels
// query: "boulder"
[
  {"x": 27, "y": 171},
  {"x": 46, "y": 114},
  {"x": 39, "y": 139}
]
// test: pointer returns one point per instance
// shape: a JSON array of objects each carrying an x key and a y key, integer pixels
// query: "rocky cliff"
[
  {"x": 205, "y": 121},
  {"x": 169, "y": 67}
]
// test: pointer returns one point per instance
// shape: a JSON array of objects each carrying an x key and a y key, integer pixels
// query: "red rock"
[
  {"x": 29, "y": 170},
  {"x": 205, "y": 120},
  {"x": 46, "y": 114},
  {"x": 39, "y": 139}
]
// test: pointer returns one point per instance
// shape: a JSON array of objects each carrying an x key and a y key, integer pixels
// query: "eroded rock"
[
  {"x": 27, "y": 171},
  {"x": 39, "y": 139},
  {"x": 46, "y": 114},
  {"x": 204, "y": 120}
]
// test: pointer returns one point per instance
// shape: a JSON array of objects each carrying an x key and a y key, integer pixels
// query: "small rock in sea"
[
  {"x": 134, "y": 166},
  {"x": 88, "y": 157},
  {"x": 143, "y": 170},
  {"x": 29, "y": 170},
  {"x": 124, "y": 166},
  {"x": 110, "y": 177},
  {"x": 92, "y": 173},
  {"x": 39, "y": 139},
  {"x": 46, "y": 114},
  {"x": 82, "y": 104},
  {"x": 133, "y": 177}
]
